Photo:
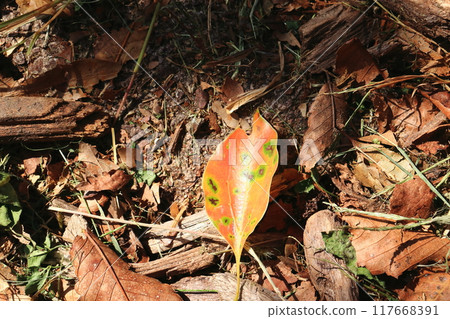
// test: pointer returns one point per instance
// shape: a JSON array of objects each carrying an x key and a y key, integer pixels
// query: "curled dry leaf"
[
  {"x": 327, "y": 113},
  {"x": 412, "y": 199},
  {"x": 409, "y": 117},
  {"x": 103, "y": 276},
  {"x": 377, "y": 166},
  {"x": 111, "y": 181},
  {"x": 393, "y": 251}
]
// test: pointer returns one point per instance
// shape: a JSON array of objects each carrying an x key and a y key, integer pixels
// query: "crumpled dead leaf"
[
  {"x": 111, "y": 181},
  {"x": 103, "y": 276},
  {"x": 95, "y": 165},
  {"x": 393, "y": 251},
  {"x": 409, "y": 117},
  {"x": 374, "y": 166},
  {"x": 430, "y": 58},
  {"x": 327, "y": 113}
]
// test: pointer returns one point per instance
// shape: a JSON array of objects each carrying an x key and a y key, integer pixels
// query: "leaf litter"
[{"x": 345, "y": 158}]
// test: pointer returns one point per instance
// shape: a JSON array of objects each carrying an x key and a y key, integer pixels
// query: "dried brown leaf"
[
  {"x": 88, "y": 154},
  {"x": 327, "y": 272},
  {"x": 107, "y": 49},
  {"x": 231, "y": 120},
  {"x": 412, "y": 199},
  {"x": 26, "y": 6},
  {"x": 353, "y": 61},
  {"x": 32, "y": 164},
  {"x": 428, "y": 286},
  {"x": 232, "y": 88},
  {"x": 393, "y": 251},
  {"x": 305, "y": 292},
  {"x": 201, "y": 98},
  {"x": 409, "y": 117},
  {"x": 103, "y": 276},
  {"x": 430, "y": 57},
  {"x": 82, "y": 73},
  {"x": 374, "y": 167},
  {"x": 327, "y": 113},
  {"x": 431, "y": 147},
  {"x": 112, "y": 181},
  {"x": 289, "y": 38}
]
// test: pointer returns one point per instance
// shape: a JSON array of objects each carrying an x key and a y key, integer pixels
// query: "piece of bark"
[
  {"x": 222, "y": 287},
  {"x": 324, "y": 34},
  {"x": 198, "y": 222},
  {"x": 33, "y": 119},
  {"x": 181, "y": 262},
  {"x": 431, "y": 17},
  {"x": 327, "y": 272}
]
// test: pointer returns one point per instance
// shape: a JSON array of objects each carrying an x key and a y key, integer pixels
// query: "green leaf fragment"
[{"x": 338, "y": 243}]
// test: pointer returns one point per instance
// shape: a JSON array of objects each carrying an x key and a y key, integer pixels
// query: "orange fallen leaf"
[
  {"x": 393, "y": 251},
  {"x": 103, "y": 276}
]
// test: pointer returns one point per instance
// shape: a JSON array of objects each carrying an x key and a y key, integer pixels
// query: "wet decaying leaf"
[
  {"x": 326, "y": 115},
  {"x": 412, "y": 199},
  {"x": 430, "y": 285},
  {"x": 103, "y": 276},
  {"x": 393, "y": 251}
]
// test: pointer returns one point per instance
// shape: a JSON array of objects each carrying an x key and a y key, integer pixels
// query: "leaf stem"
[{"x": 238, "y": 278}]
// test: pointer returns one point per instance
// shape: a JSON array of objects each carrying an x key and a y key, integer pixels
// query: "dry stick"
[
  {"x": 129, "y": 222},
  {"x": 138, "y": 64},
  {"x": 263, "y": 268}
]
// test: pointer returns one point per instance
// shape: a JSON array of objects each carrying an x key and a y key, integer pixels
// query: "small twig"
[
  {"x": 129, "y": 222},
  {"x": 138, "y": 63},
  {"x": 264, "y": 270}
]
